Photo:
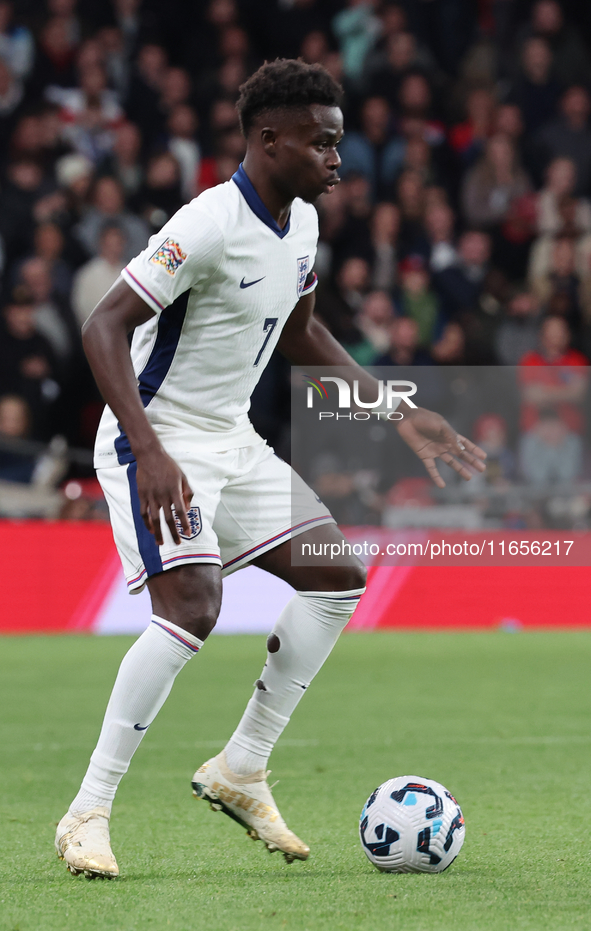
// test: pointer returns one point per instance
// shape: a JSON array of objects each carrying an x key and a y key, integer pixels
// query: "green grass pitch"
[{"x": 503, "y": 720}]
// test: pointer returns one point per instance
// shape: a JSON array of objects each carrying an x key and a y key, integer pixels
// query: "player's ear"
[{"x": 269, "y": 140}]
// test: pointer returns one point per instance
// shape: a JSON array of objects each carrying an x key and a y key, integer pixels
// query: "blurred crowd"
[{"x": 460, "y": 233}]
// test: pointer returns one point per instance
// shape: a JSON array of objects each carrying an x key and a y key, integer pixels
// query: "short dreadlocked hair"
[{"x": 286, "y": 84}]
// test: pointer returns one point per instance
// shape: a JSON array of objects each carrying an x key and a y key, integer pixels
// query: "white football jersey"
[{"x": 222, "y": 278}]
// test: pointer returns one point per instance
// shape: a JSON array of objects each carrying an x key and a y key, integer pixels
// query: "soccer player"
[{"x": 193, "y": 491}]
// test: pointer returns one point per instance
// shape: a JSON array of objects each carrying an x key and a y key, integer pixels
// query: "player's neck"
[{"x": 277, "y": 202}]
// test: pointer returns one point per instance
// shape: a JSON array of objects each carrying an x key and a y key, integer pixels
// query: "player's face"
[{"x": 307, "y": 160}]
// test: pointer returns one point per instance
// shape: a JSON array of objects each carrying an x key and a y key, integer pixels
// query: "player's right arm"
[{"x": 160, "y": 481}]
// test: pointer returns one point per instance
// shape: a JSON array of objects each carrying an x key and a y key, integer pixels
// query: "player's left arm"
[{"x": 306, "y": 341}]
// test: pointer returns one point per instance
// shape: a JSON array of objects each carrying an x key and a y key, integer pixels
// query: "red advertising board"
[{"x": 58, "y": 577}]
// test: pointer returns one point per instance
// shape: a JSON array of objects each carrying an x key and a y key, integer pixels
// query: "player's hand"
[
  {"x": 162, "y": 484},
  {"x": 430, "y": 436}
]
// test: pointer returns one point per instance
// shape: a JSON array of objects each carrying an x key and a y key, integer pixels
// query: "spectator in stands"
[
  {"x": 182, "y": 144},
  {"x": 356, "y": 29},
  {"x": 11, "y": 98},
  {"x": 55, "y": 56},
  {"x": 569, "y": 136},
  {"x": 338, "y": 305},
  {"x": 410, "y": 192},
  {"x": 415, "y": 101},
  {"x": 50, "y": 128},
  {"x": 175, "y": 89},
  {"x": 461, "y": 284},
  {"x": 331, "y": 217},
  {"x": 90, "y": 55},
  {"x": 123, "y": 161},
  {"x": 404, "y": 346},
  {"x": 26, "y": 140},
  {"x": 74, "y": 174},
  {"x": 160, "y": 195},
  {"x": 108, "y": 206},
  {"x": 68, "y": 9},
  {"x": 374, "y": 319},
  {"x": 315, "y": 47},
  {"x": 225, "y": 141},
  {"x": 416, "y": 299},
  {"x": 535, "y": 91},
  {"x": 385, "y": 227},
  {"x": 550, "y": 453},
  {"x": 203, "y": 47},
  {"x": 569, "y": 221},
  {"x": 508, "y": 121},
  {"x": 353, "y": 237},
  {"x": 145, "y": 86},
  {"x": 419, "y": 157},
  {"x": 237, "y": 62},
  {"x": 94, "y": 279},
  {"x": 450, "y": 348},
  {"x": 571, "y": 56},
  {"x": 25, "y": 186},
  {"x": 223, "y": 118},
  {"x": 90, "y": 113},
  {"x": 400, "y": 56},
  {"x": 518, "y": 331},
  {"x": 554, "y": 346},
  {"x": 393, "y": 21},
  {"x": 492, "y": 184},
  {"x": 439, "y": 229},
  {"x": 561, "y": 182},
  {"x": 468, "y": 139},
  {"x": 28, "y": 365},
  {"x": 554, "y": 377},
  {"x": 128, "y": 20},
  {"x": 115, "y": 54},
  {"x": 490, "y": 432},
  {"x": 48, "y": 245},
  {"x": 53, "y": 317},
  {"x": 559, "y": 290},
  {"x": 15, "y": 424},
  {"x": 17, "y": 46},
  {"x": 374, "y": 152}
]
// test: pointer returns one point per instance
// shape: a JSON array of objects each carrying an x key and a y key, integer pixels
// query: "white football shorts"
[{"x": 245, "y": 501}]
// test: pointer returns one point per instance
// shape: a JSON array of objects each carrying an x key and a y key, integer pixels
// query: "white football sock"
[
  {"x": 142, "y": 686},
  {"x": 301, "y": 641}
]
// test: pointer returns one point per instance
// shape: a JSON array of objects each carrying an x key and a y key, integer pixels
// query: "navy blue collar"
[{"x": 255, "y": 203}]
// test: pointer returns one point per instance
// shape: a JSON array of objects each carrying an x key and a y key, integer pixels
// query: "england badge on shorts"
[
  {"x": 303, "y": 269},
  {"x": 194, "y": 518}
]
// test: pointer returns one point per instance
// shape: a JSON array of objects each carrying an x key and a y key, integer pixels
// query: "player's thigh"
[
  {"x": 262, "y": 505},
  {"x": 348, "y": 575}
]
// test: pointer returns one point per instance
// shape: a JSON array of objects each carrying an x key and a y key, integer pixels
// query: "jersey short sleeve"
[
  {"x": 184, "y": 254},
  {"x": 310, "y": 284}
]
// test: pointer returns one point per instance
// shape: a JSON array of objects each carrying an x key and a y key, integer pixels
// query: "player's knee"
[
  {"x": 189, "y": 596},
  {"x": 199, "y": 609},
  {"x": 354, "y": 577},
  {"x": 200, "y": 620},
  {"x": 340, "y": 578}
]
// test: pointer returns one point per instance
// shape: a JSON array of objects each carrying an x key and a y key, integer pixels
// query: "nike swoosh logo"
[
  {"x": 249, "y": 284},
  {"x": 138, "y": 727}
]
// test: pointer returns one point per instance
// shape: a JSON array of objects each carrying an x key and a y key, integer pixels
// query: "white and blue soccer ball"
[{"x": 411, "y": 825}]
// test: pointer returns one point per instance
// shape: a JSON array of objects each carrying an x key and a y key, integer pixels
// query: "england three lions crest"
[
  {"x": 194, "y": 518},
  {"x": 303, "y": 269}
]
